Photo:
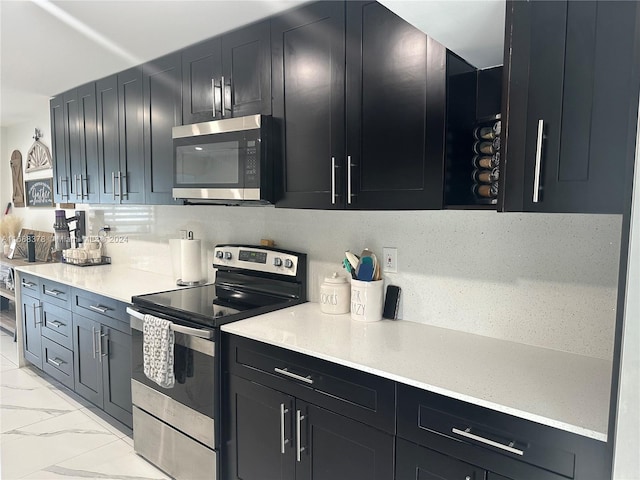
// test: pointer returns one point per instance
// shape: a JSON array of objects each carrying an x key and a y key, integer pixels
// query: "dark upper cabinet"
[
  {"x": 162, "y": 91},
  {"x": 570, "y": 104},
  {"x": 246, "y": 67},
  {"x": 120, "y": 137},
  {"x": 201, "y": 74},
  {"x": 75, "y": 160},
  {"x": 228, "y": 76},
  {"x": 308, "y": 54},
  {"x": 130, "y": 175},
  {"x": 389, "y": 153},
  {"x": 396, "y": 87},
  {"x": 61, "y": 167}
]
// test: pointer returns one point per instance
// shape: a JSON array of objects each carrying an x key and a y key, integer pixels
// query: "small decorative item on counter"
[
  {"x": 367, "y": 300},
  {"x": 335, "y": 294}
]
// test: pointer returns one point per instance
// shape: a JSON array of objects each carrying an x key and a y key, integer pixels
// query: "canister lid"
[{"x": 335, "y": 278}]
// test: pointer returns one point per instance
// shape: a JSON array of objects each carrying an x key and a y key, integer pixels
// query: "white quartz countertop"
[
  {"x": 562, "y": 390},
  {"x": 115, "y": 281}
]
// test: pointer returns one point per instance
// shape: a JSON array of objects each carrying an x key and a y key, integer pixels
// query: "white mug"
[{"x": 367, "y": 300}]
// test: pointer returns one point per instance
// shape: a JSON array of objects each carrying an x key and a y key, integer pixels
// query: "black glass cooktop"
[{"x": 210, "y": 305}]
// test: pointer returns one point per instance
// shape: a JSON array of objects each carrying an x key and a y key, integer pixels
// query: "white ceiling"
[{"x": 47, "y": 47}]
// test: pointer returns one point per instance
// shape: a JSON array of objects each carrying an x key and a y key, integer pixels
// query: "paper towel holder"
[{"x": 188, "y": 235}]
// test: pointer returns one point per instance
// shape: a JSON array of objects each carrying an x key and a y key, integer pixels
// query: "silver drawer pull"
[
  {"x": 57, "y": 362},
  {"x": 299, "y": 447},
  {"x": 467, "y": 433},
  {"x": 28, "y": 284},
  {"x": 99, "y": 308},
  {"x": 55, "y": 293},
  {"x": 56, "y": 324},
  {"x": 286, "y": 372}
]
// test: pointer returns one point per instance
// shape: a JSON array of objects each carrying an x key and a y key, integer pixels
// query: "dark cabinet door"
[
  {"x": 396, "y": 88},
  {"x": 87, "y": 369},
  {"x": 308, "y": 103},
  {"x": 86, "y": 173},
  {"x": 130, "y": 175},
  {"x": 108, "y": 138},
  {"x": 31, "y": 321},
  {"x": 261, "y": 444},
  {"x": 162, "y": 111},
  {"x": 61, "y": 168},
  {"x": 570, "y": 102},
  {"x": 333, "y": 447},
  {"x": 71, "y": 114},
  {"x": 418, "y": 463},
  {"x": 246, "y": 67},
  {"x": 115, "y": 350},
  {"x": 201, "y": 74}
]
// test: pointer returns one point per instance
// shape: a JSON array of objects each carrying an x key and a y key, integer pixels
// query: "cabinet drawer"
[
  {"x": 31, "y": 284},
  {"x": 57, "y": 361},
  {"x": 507, "y": 445},
  {"x": 54, "y": 292},
  {"x": 101, "y": 309},
  {"x": 414, "y": 461},
  {"x": 56, "y": 325},
  {"x": 349, "y": 392}
]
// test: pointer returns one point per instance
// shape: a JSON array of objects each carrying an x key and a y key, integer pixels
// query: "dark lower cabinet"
[
  {"x": 274, "y": 436},
  {"x": 414, "y": 462},
  {"x": 495, "y": 476},
  {"x": 102, "y": 366},
  {"x": 570, "y": 105},
  {"x": 31, "y": 334},
  {"x": 162, "y": 93}
]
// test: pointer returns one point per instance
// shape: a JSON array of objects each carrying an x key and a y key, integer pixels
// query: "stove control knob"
[
  {"x": 228, "y": 256},
  {"x": 219, "y": 254},
  {"x": 277, "y": 262},
  {"x": 288, "y": 263}
]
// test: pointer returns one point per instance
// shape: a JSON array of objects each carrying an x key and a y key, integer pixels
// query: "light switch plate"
[{"x": 390, "y": 259}]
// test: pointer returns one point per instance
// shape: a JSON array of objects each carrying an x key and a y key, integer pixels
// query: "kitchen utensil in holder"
[{"x": 367, "y": 300}]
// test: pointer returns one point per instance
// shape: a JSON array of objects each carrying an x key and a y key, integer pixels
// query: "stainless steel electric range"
[{"x": 177, "y": 428}]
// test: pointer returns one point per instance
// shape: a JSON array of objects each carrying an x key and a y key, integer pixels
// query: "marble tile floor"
[{"x": 48, "y": 432}]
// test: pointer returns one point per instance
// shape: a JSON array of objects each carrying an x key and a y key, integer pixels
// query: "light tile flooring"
[{"x": 49, "y": 432}]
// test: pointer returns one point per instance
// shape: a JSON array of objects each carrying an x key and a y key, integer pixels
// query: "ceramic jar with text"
[{"x": 335, "y": 294}]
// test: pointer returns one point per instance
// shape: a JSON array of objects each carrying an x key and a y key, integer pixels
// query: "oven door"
[{"x": 189, "y": 406}]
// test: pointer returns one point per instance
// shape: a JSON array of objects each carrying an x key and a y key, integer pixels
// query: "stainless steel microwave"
[{"x": 224, "y": 161}]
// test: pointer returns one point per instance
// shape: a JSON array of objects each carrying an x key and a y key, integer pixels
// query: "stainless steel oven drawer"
[{"x": 178, "y": 455}]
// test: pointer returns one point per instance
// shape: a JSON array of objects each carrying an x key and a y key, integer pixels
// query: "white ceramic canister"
[
  {"x": 367, "y": 300},
  {"x": 335, "y": 294}
]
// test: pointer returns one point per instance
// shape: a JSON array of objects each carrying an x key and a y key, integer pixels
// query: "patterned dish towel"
[{"x": 157, "y": 347}]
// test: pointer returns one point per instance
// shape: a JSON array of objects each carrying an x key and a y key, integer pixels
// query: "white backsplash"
[{"x": 542, "y": 279}]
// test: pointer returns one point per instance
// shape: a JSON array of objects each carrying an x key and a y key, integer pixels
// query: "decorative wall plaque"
[
  {"x": 38, "y": 157},
  {"x": 16, "y": 176},
  {"x": 39, "y": 192}
]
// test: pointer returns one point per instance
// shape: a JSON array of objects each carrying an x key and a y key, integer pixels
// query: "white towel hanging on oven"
[{"x": 157, "y": 348}]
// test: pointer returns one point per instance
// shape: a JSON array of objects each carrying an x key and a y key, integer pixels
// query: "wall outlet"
[{"x": 390, "y": 259}]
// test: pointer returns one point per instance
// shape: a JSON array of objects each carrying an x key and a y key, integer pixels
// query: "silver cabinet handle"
[
  {"x": 35, "y": 307},
  {"x": 84, "y": 181},
  {"x": 536, "y": 177},
  {"x": 124, "y": 192},
  {"x": 56, "y": 324},
  {"x": 349, "y": 165},
  {"x": 113, "y": 184},
  {"x": 64, "y": 180},
  {"x": 299, "y": 448},
  {"x": 55, "y": 293},
  {"x": 286, "y": 372},
  {"x": 283, "y": 441},
  {"x": 467, "y": 433},
  {"x": 93, "y": 341},
  {"x": 28, "y": 284},
  {"x": 333, "y": 180},
  {"x": 222, "y": 95},
  {"x": 75, "y": 183},
  {"x": 57, "y": 362},
  {"x": 100, "y": 337},
  {"x": 213, "y": 97},
  {"x": 99, "y": 308}
]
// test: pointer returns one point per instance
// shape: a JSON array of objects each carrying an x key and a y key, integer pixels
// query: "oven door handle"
[{"x": 194, "y": 332}]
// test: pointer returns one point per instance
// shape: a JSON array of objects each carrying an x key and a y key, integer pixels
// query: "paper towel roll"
[{"x": 190, "y": 264}]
